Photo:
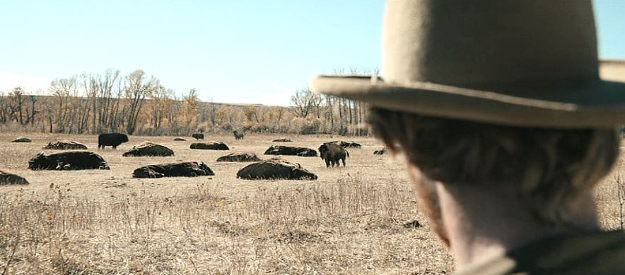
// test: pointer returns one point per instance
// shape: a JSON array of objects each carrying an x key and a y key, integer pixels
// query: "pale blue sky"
[{"x": 236, "y": 51}]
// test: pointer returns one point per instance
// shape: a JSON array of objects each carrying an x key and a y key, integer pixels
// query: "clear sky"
[{"x": 235, "y": 51}]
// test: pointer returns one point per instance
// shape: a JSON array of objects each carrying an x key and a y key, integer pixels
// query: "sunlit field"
[{"x": 352, "y": 220}]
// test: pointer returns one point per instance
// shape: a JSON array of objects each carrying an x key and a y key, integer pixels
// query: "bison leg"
[
  {"x": 328, "y": 163},
  {"x": 343, "y": 159}
]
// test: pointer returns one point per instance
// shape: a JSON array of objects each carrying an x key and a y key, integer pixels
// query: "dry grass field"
[{"x": 349, "y": 221}]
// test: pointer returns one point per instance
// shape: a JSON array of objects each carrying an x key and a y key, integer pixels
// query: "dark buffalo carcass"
[
  {"x": 149, "y": 149},
  {"x": 275, "y": 169},
  {"x": 238, "y": 157},
  {"x": 22, "y": 139},
  {"x": 282, "y": 140},
  {"x": 179, "y": 139},
  {"x": 67, "y": 161},
  {"x": 198, "y": 136},
  {"x": 382, "y": 151},
  {"x": 112, "y": 139},
  {"x": 182, "y": 169},
  {"x": 11, "y": 179},
  {"x": 347, "y": 144},
  {"x": 332, "y": 153},
  {"x": 238, "y": 135},
  {"x": 290, "y": 151},
  {"x": 65, "y": 145},
  {"x": 209, "y": 146}
]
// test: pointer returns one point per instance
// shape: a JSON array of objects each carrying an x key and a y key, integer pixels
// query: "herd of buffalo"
[{"x": 333, "y": 154}]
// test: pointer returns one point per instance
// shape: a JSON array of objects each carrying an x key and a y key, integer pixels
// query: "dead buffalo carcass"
[
  {"x": 209, "y": 146},
  {"x": 179, "y": 139},
  {"x": 182, "y": 169},
  {"x": 348, "y": 144},
  {"x": 22, "y": 139},
  {"x": 238, "y": 135},
  {"x": 65, "y": 145},
  {"x": 382, "y": 151},
  {"x": 332, "y": 153},
  {"x": 198, "y": 136},
  {"x": 112, "y": 139},
  {"x": 275, "y": 169},
  {"x": 149, "y": 149},
  {"x": 291, "y": 151},
  {"x": 282, "y": 140},
  {"x": 238, "y": 157},
  {"x": 10, "y": 179},
  {"x": 67, "y": 161}
]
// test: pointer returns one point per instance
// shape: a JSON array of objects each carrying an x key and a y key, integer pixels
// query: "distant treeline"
[{"x": 138, "y": 104}]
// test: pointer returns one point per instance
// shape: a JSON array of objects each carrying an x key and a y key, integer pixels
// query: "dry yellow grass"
[{"x": 350, "y": 221}]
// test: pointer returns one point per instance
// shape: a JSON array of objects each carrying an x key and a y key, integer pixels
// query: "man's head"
[
  {"x": 549, "y": 169},
  {"x": 506, "y": 126}
]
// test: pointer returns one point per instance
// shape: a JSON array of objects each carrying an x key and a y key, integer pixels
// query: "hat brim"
[{"x": 583, "y": 104}]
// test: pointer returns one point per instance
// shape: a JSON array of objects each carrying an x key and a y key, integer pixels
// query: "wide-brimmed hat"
[{"x": 514, "y": 62}]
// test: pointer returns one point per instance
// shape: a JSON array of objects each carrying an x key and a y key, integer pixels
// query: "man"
[{"x": 506, "y": 125}]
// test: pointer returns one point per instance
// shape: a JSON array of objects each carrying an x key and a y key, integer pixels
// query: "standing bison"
[
  {"x": 332, "y": 153},
  {"x": 238, "y": 135},
  {"x": 198, "y": 136},
  {"x": 113, "y": 139}
]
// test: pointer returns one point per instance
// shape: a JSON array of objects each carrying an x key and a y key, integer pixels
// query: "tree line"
[{"x": 138, "y": 104}]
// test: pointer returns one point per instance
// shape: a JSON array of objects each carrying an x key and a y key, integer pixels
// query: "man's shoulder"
[{"x": 593, "y": 253}]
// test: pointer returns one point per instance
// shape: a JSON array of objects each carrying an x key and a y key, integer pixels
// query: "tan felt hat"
[{"x": 514, "y": 62}]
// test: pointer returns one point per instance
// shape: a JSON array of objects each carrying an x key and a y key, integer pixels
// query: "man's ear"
[{"x": 428, "y": 200}]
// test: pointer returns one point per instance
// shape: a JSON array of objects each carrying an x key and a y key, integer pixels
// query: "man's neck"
[{"x": 485, "y": 222}]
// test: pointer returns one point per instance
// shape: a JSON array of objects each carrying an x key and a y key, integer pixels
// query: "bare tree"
[
  {"x": 137, "y": 89},
  {"x": 304, "y": 102},
  {"x": 106, "y": 100},
  {"x": 17, "y": 96},
  {"x": 190, "y": 107}
]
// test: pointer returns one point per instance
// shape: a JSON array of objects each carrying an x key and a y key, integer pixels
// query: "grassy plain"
[{"x": 349, "y": 221}]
